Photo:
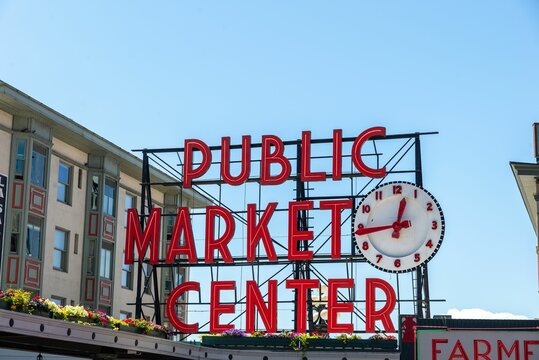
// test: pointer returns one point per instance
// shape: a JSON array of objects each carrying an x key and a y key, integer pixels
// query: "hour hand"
[{"x": 397, "y": 226}]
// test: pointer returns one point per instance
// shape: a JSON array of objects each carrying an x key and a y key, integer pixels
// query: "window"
[
  {"x": 92, "y": 258},
  {"x": 127, "y": 275},
  {"x": 60, "y": 301},
  {"x": 76, "y": 245},
  {"x": 109, "y": 199},
  {"x": 15, "y": 232},
  {"x": 147, "y": 283},
  {"x": 125, "y": 315},
  {"x": 169, "y": 225},
  {"x": 33, "y": 237},
  {"x": 130, "y": 203},
  {"x": 39, "y": 162},
  {"x": 94, "y": 196},
  {"x": 14, "y": 243},
  {"x": 105, "y": 261},
  {"x": 19, "y": 160},
  {"x": 173, "y": 278},
  {"x": 79, "y": 179},
  {"x": 64, "y": 183},
  {"x": 59, "y": 255}
]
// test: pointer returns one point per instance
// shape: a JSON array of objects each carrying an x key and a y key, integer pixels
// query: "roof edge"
[{"x": 38, "y": 107}]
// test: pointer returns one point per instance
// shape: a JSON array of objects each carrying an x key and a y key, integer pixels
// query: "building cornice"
[
  {"x": 16, "y": 102},
  {"x": 526, "y": 176}
]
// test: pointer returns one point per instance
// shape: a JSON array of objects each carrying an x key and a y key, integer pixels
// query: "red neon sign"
[
  {"x": 268, "y": 311},
  {"x": 258, "y": 233},
  {"x": 272, "y": 152}
]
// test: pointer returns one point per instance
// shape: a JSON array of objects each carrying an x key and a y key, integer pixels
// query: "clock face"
[{"x": 398, "y": 226}]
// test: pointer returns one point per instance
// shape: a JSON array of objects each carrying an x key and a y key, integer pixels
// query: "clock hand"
[
  {"x": 402, "y": 206},
  {"x": 405, "y": 224},
  {"x": 396, "y": 229},
  {"x": 364, "y": 231}
]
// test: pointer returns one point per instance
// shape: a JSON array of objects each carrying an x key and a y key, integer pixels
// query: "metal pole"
[
  {"x": 138, "y": 302},
  {"x": 419, "y": 274},
  {"x": 422, "y": 272},
  {"x": 155, "y": 292}
]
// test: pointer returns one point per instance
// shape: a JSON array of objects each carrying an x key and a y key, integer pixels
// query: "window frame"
[
  {"x": 68, "y": 187},
  {"x": 34, "y": 223},
  {"x": 109, "y": 202},
  {"x": 147, "y": 289},
  {"x": 63, "y": 252},
  {"x": 94, "y": 192},
  {"x": 132, "y": 206},
  {"x": 14, "y": 241},
  {"x": 39, "y": 178},
  {"x": 20, "y": 159},
  {"x": 125, "y": 315},
  {"x": 128, "y": 270},
  {"x": 58, "y": 300},
  {"x": 106, "y": 262}
]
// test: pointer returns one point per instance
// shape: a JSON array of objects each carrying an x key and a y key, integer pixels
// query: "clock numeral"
[
  {"x": 417, "y": 258},
  {"x": 365, "y": 245},
  {"x": 429, "y": 244},
  {"x": 365, "y": 209},
  {"x": 429, "y": 206},
  {"x": 415, "y": 193},
  {"x": 378, "y": 195},
  {"x": 378, "y": 258},
  {"x": 397, "y": 263},
  {"x": 434, "y": 225},
  {"x": 397, "y": 189}
]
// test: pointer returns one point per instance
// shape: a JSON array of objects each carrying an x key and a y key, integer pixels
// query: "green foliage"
[
  {"x": 16, "y": 299},
  {"x": 19, "y": 300},
  {"x": 347, "y": 337},
  {"x": 301, "y": 341}
]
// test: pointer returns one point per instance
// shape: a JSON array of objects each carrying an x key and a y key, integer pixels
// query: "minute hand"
[{"x": 370, "y": 230}]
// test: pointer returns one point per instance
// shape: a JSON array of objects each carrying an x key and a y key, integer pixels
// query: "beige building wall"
[
  {"x": 67, "y": 217},
  {"x": 72, "y": 144},
  {"x": 6, "y": 121}
]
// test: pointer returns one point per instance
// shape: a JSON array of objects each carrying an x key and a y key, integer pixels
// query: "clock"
[{"x": 398, "y": 226}]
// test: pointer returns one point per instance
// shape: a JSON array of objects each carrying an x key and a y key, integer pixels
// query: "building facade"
[
  {"x": 527, "y": 178},
  {"x": 66, "y": 191}
]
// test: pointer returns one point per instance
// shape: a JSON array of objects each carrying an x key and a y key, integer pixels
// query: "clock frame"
[{"x": 398, "y": 226}]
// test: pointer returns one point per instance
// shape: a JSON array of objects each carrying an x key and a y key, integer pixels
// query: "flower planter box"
[
  {"x": 284, "y": 343},
  {"x": 131, "y": 329},
  {"x": 79, "y": 320},
  {"x": 246, "y": 342},
  {"x": 42, "y": 313},
  {"x": 157, "y": 334},
  {"x": 135, "y": 330},
  {"x": 358, "y": 344},
  {"x": 4, "y": 305}
]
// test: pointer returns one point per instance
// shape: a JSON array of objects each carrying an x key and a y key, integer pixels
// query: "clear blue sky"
[{"x": 170, "y": 70}]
